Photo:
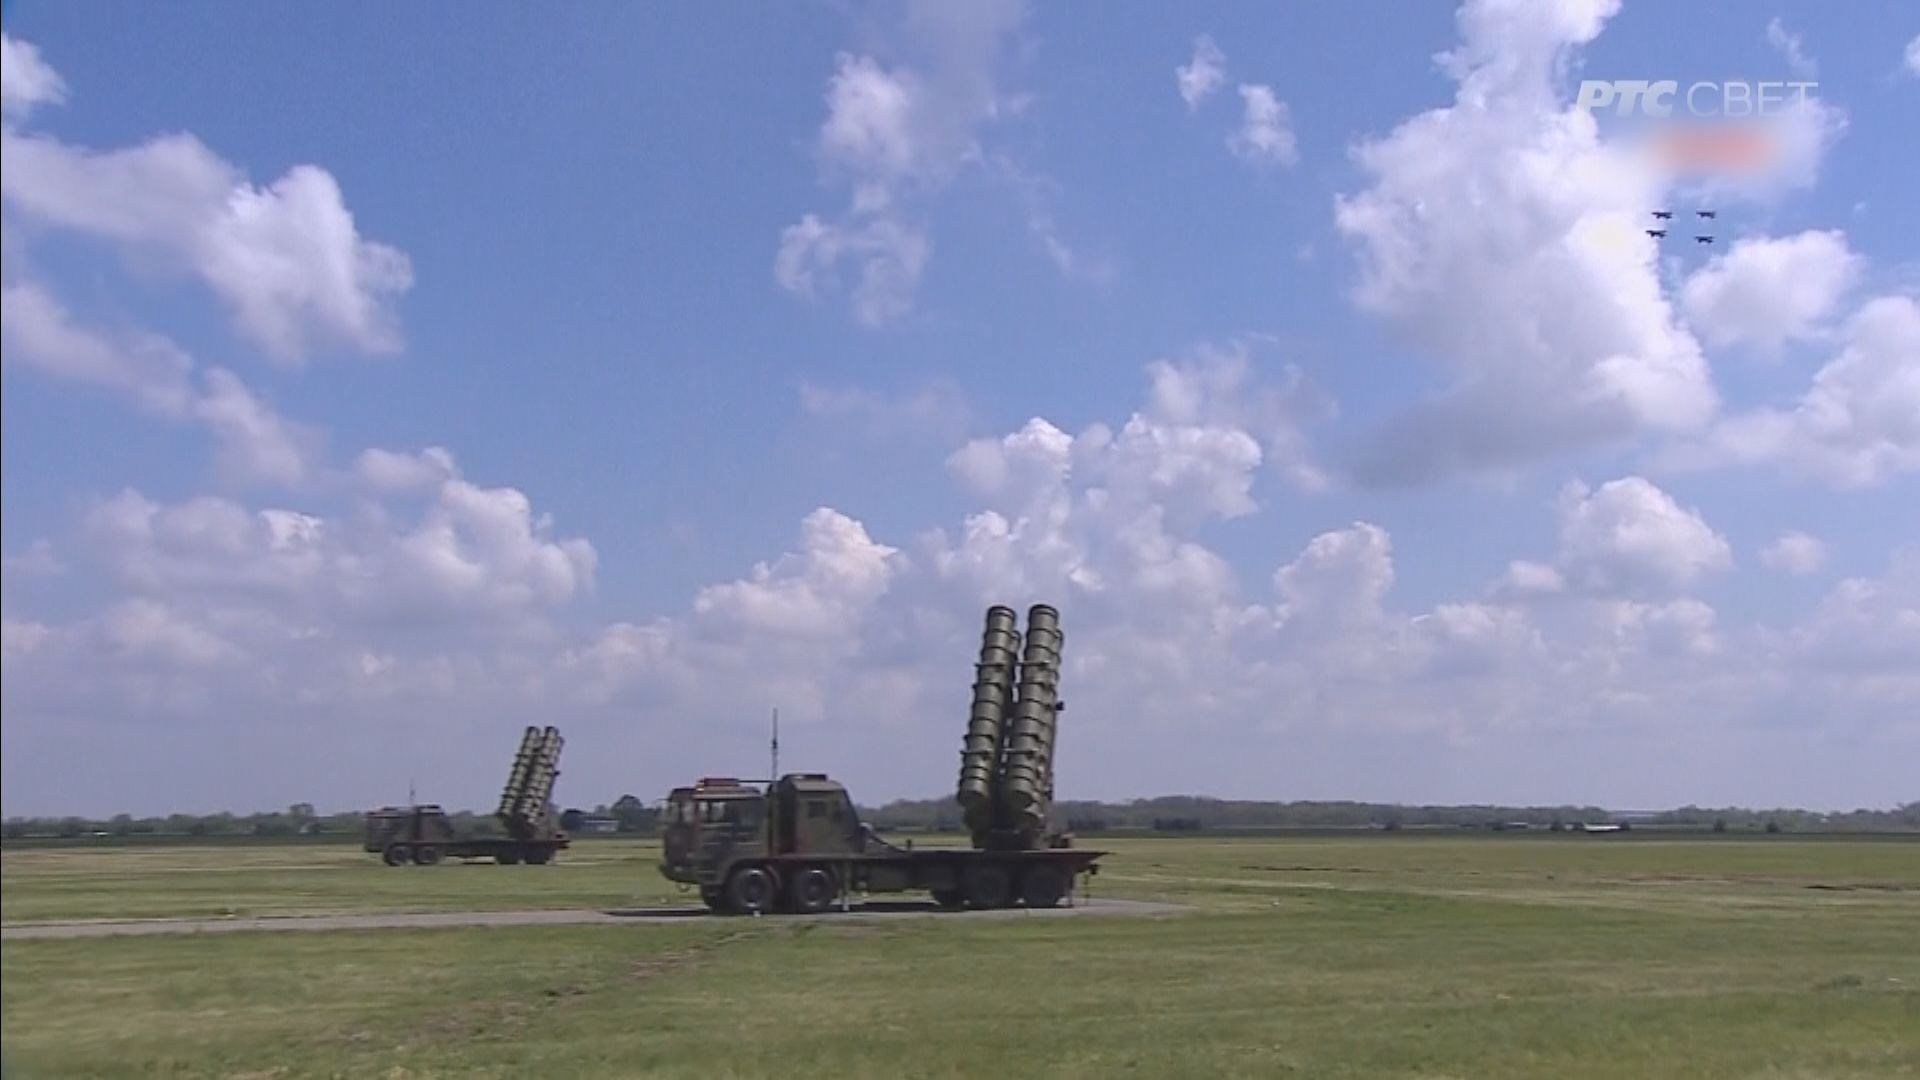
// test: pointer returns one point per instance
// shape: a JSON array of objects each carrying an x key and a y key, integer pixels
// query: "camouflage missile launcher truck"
[
  {"x": 423, "y": 835},
  {"x": 798, "y": 843}
]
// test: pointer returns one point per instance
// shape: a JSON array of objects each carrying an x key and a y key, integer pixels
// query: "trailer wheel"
[
  {"x": 507, "y": 857},
  {"x": 751, "y": 891},
  {"x": 811, "y": 891},
  {"x": 1044, "y": 886},
  {"x": 539, "y": 856},
  {"x": 397, "y": 855},
  {"x": 988, "y": 885},
  {"x": 426, "y": 855}
]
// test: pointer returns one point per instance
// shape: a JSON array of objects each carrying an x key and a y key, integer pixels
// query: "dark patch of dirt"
[{"x": 685, "y": 957}]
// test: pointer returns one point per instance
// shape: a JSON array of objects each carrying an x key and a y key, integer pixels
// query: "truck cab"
[
  {"x": 425, "y": 825},
  {"x": 707, "y": 827},
  {"x": 720, "y": 821}
]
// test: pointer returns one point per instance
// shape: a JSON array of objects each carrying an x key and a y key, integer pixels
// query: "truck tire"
[
  {"x": 752, "y": 891},
  {"x": 507, "y": 856},
  {"x": 427, "y": 855},
  {"x": 715, "y": 898},
  {"x": 539, "y": 856},
  {"x": 397, "y": 855},
  {"x": 988, "y": 885},
  {"x": 1044, "y": 886},
  {"x": 949, "y": 898},
  {"x": 812, "y": 891}
]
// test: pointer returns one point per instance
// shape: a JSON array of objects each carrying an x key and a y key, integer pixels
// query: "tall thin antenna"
[
  {"x": 410, "y": 798},
  {"x": 775, "y": 745}
]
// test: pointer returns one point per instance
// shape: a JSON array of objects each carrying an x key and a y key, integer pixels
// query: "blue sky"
[{"x": 379, "y": 381}]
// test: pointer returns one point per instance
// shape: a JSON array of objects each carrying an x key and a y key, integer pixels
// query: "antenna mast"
[{"x": 774, "y": 746}]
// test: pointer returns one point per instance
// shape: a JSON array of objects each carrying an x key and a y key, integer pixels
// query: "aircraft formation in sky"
[{"x": 1659, "y": 232}]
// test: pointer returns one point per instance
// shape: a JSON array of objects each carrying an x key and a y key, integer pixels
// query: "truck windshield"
[{"x": 729, "y": 811}]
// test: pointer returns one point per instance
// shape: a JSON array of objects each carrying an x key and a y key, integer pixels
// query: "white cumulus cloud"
[
  {"x": 1856, "y": 426},
  {"x": 1502, "y": 237},
  {"x": 26, "y": 81},
  {"x": 1199, "y": 77},
  {"x": 474, "y": 558},
  {"x": 287, "y": 258},
  {"x": 896, "y": 132},
  {"x": 1266, "y": 128},
  {"x": 1768, "y": 291},
  {"x": 1795, "y": 553},
  {"x": 1792, "y": 49},
  {"x": 1629, "y": 536},
  {"x": 256, "y": 443}
]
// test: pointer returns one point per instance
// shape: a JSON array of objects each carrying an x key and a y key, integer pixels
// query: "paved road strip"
[{"x": 609, "y": 917}]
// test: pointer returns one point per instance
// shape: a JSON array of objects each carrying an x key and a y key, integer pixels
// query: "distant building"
[{"x": 592, "y": 824}]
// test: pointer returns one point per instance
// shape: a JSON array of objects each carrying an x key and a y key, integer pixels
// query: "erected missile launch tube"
[
  {"x": 540, "y": 778},
  {"x": 1026, "y": 784},
  {"x": 986, "y": 722},
  {"x": 523, "y": 803},
  {"x": 517, "y": 776}
]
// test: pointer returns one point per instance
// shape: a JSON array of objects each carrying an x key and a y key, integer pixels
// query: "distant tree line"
[
  {"x": 1184, "y": 813},
  {"x": 1173, "y": 814},
  {"x": 629, "y": 814}
]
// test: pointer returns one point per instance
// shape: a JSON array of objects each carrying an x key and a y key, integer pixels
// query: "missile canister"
[
  {"x": 1027, "y": 771},
  {"x": 986, "y": 721}
]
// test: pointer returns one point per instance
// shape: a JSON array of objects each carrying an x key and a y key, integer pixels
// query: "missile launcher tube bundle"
[
  {"x": 540, "y": 778},
  {"x": 517, "y": 775},
  {"x": 1026, "y": 781},
  {"x": 524, "y": 803},
  {"x": 986, "y": 721},
  {"x": 1006, "y": 761}
]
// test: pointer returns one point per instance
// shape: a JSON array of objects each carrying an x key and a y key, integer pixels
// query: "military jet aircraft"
[
  {"x": 1703, "y": 239},
  {"x": 1657, "y": 234},
  {"x": 1663, "y": 215},
  {"x": 1708, "y": 214}
]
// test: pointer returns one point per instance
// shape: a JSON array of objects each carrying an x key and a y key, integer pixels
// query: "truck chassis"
[
  {"x": 956, "y": 878},
  {"x": 503, "y": 850}
]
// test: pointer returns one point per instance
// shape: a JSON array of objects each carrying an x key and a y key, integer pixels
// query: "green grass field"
[{"x": 1533, "y": 956}]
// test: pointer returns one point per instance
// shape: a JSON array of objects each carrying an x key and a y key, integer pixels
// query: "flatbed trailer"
[
  {"x": 503, "y": 850},
  {"x": 954, "y": 877},
  {"x": 424, "y": 836}
]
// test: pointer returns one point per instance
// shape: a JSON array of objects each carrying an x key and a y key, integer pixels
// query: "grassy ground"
[
  {"x": 310, "y": 879},
  {"x": 1367, "y": 956}
]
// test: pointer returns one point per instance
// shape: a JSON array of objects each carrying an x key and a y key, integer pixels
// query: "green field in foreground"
[
  {"x": 311, "y": 879},
  {"x": 1539, "y": 956}
]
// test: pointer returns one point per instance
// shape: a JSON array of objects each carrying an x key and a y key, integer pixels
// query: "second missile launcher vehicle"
[
  {"x": 797, "y": 844},
  {"x": 423, "y": 835}
]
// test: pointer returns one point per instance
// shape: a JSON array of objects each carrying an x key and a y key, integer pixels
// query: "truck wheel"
[
  {"x": 426, "y": 855},
  {"x": 949, "y": 898},
  {"x": 507, "y": 857},
  {"x": 988, "y": 885},
  {"x": 398, "y": 855},
  {"x": 751, "y": 891},
  {"x": 1044, "y": 886},
  {"x": 812, "y": 891},
  {"x": 714, "y": 898},
  {"x": 538, "y": 856}
]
